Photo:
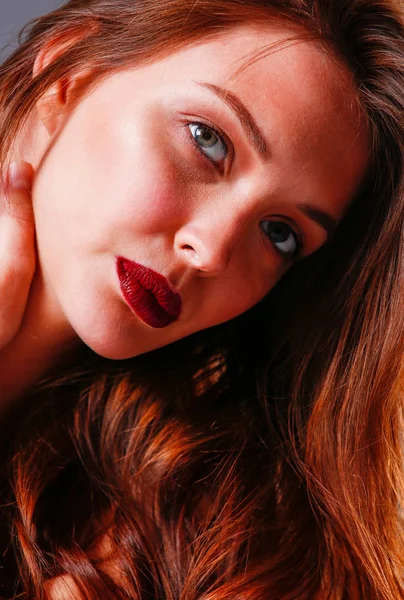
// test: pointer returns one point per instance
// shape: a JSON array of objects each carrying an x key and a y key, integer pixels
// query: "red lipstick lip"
[{"x": 148, "y": 293}]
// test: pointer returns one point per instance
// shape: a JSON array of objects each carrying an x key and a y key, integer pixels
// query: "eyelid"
[
  {"x": 296, "y": 229},
  {"x": 289, "y": 258},
  {"x": 224, "y": 138}
]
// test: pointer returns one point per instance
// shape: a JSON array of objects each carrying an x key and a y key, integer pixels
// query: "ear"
[{"x": 55, "y": 104}]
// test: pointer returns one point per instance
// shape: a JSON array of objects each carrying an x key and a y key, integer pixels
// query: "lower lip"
[{"x": 143, "y": 303}]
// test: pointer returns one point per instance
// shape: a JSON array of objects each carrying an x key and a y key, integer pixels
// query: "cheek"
[
  {"x": 245, "y": 285},
  {"x": 151, "y": 201},
  {"x": 114, "y": 183},
  {"x": 137, "y": 178}
]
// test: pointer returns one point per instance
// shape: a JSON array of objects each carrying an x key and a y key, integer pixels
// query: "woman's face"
[{"x": 215, "y": 181}]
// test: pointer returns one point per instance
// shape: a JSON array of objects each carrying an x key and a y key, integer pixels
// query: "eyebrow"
[
  {"x": 326, "y": 221},
  {"x": 248, "y": 123},
  {"x": 246, "y": 119}
]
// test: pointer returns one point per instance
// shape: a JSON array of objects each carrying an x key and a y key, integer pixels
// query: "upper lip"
[{"x": 153, "y": 282}]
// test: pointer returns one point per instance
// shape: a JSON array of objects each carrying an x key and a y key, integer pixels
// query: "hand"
[{"x": 17, "y": 248}]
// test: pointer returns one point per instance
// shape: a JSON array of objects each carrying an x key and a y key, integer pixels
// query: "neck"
[{"x": 44, "y": 338}]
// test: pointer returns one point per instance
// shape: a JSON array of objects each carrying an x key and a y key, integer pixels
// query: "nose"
[{"x": 208, "y": 247}]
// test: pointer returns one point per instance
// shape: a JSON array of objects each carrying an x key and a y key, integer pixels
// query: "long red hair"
[{"x": 264, "y": 462}]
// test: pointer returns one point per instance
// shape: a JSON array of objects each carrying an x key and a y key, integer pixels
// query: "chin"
[
  {"x": 121, "y": 347},
  {"x": 110, "y": 336},
  {"x": 114, "y": 347},
  {"x": 113, "y": 350}
]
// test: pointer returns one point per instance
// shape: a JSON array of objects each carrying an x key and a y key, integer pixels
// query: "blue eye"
[
  {"x": 284, "y": 239},
  {"x": 208, "y": 142}
]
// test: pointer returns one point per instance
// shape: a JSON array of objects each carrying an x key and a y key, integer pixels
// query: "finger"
[
  {"x": 17, "y": 250},
  {"x": 17, "y": 200},
  {"x": 17, "y": 218}
]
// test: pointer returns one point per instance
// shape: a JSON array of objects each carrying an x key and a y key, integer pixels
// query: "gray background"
[{"x": 14, "y": 14}]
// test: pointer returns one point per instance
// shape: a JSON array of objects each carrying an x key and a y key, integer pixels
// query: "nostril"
[{"x": 187, "y": 247}]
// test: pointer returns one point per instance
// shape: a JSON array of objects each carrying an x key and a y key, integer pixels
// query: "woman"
[{"x": 203, "y": 394}]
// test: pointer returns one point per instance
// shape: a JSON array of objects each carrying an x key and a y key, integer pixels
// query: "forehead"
[{"x": 256, "y": 59}]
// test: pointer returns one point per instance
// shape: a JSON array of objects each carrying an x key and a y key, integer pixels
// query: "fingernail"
[{"x": 18, "y": 177}]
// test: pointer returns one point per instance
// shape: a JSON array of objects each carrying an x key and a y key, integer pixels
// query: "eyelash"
[
  {"x": 290, "y": 257},
  {"x": 220, "y": 135},
  {"x": 287, "y": 257}
]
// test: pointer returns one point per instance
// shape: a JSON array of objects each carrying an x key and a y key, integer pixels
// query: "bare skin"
[
  {"x": 24, "y": 341},
  {"x": 17, "y": 240},
  {"x": 135, "y": 184}
]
